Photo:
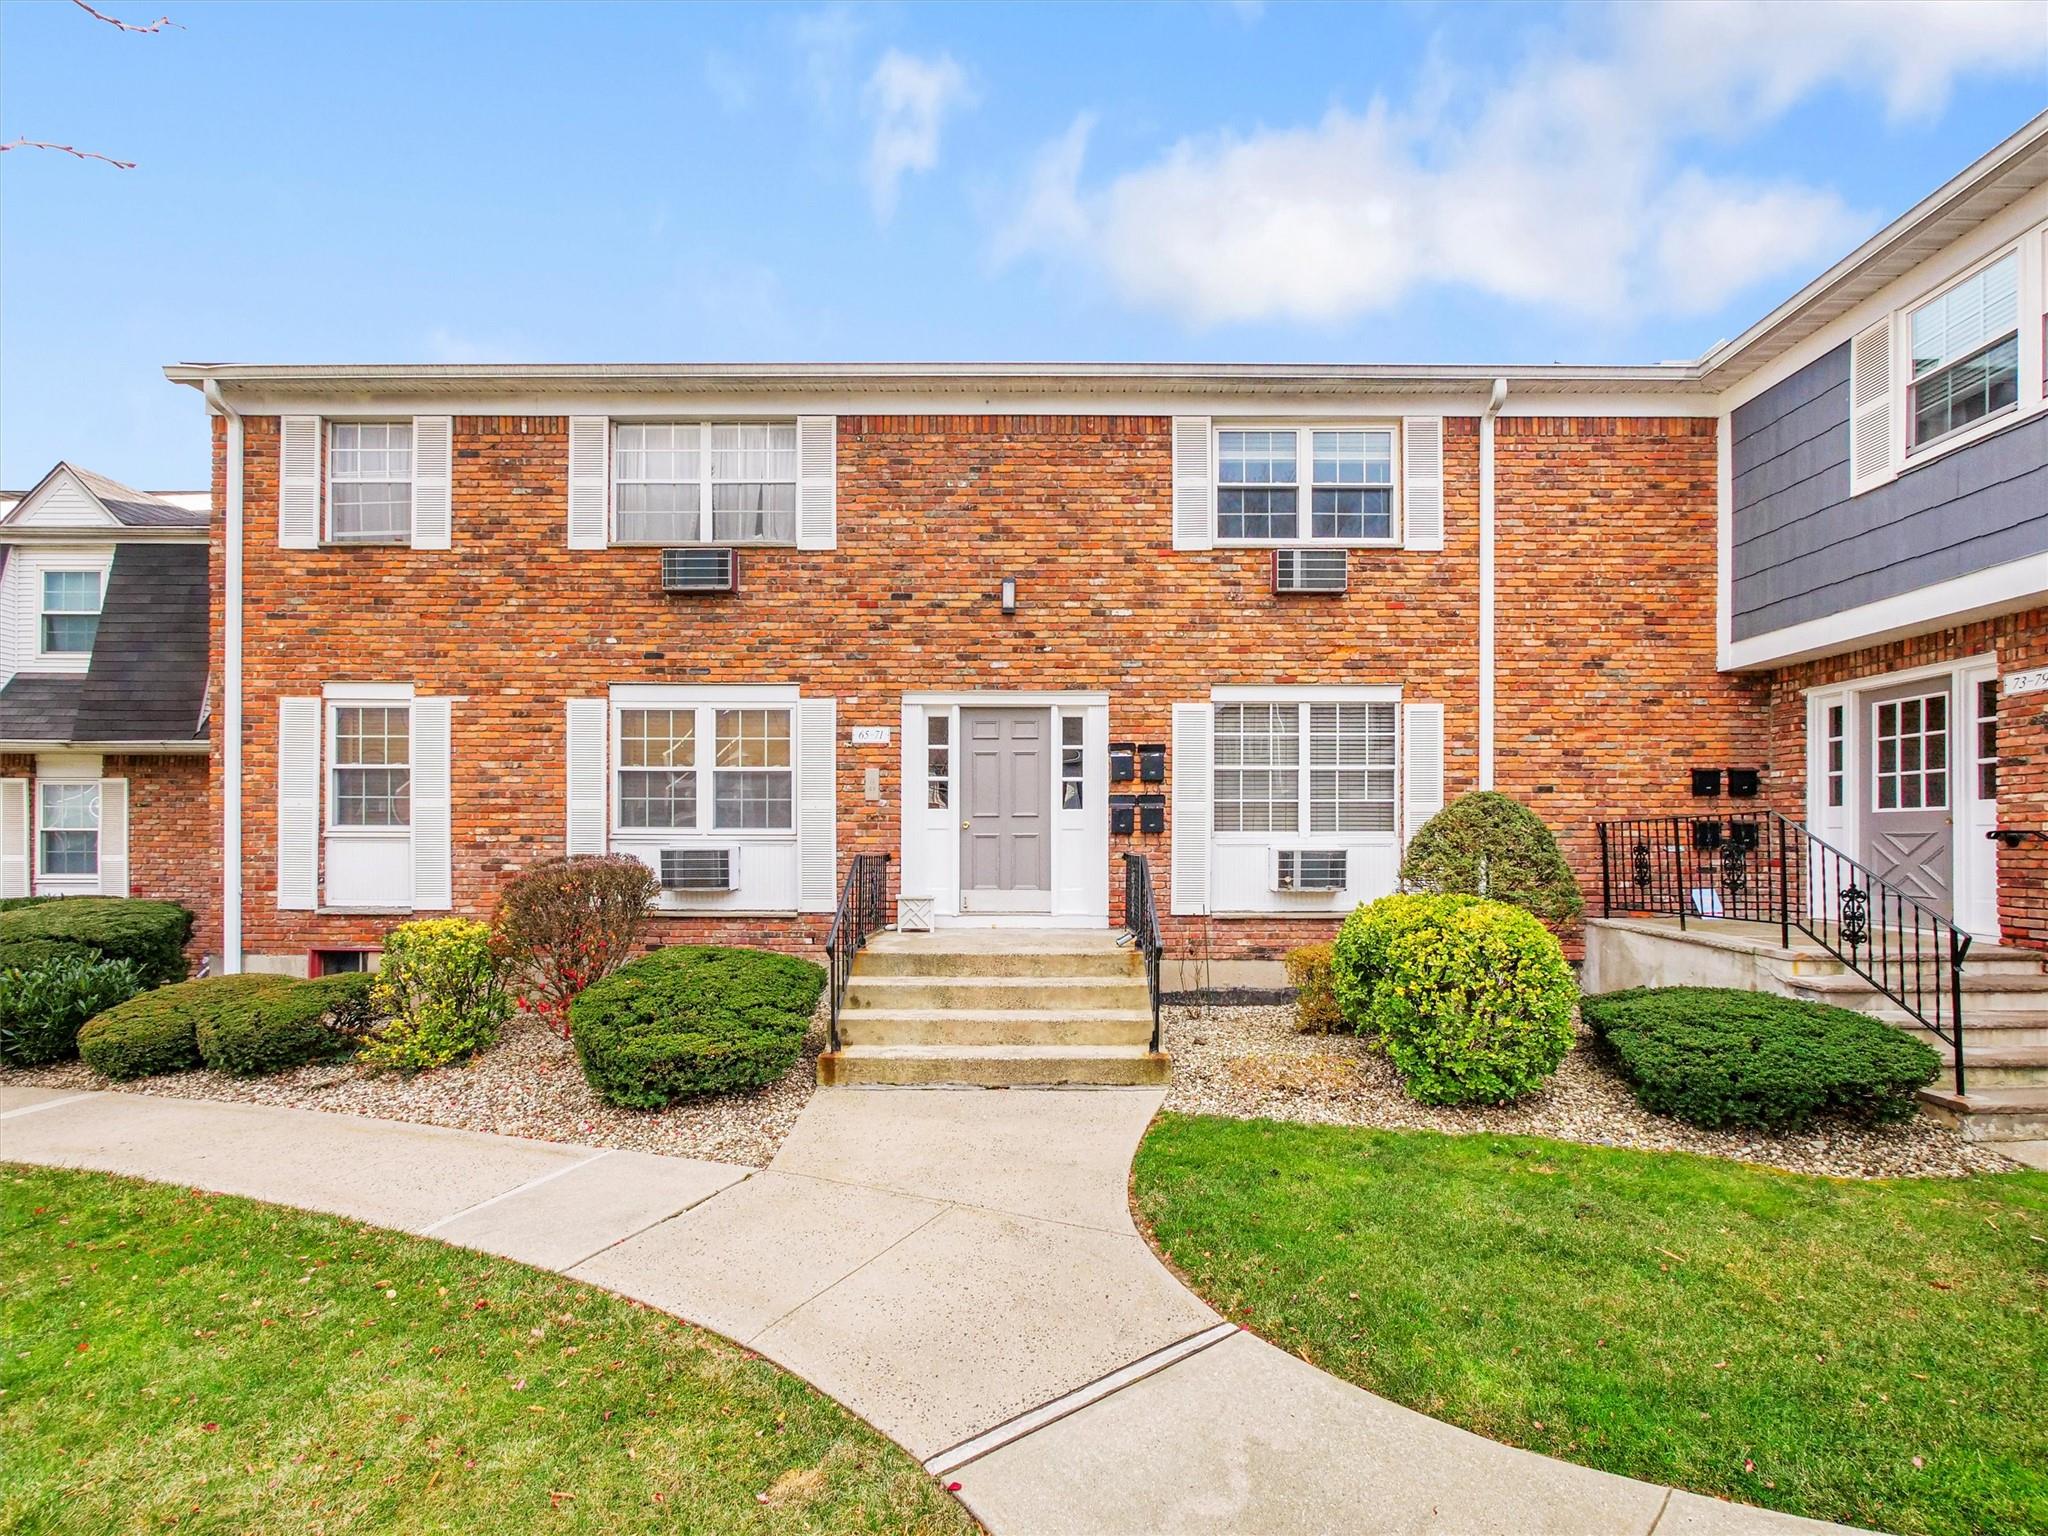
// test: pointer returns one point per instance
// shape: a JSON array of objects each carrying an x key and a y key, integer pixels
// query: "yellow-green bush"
[{"x": 1315, "y": 996}]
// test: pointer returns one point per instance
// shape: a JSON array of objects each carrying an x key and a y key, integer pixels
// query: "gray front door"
[
  {"x": 1005, "y": 816},
  {"x": 1909, "y": 791}
]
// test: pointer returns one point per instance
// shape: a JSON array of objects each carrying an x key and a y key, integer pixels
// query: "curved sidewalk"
[{"x": 959, "y": 1267}]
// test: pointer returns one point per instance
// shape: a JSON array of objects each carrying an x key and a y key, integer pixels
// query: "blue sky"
[{"x": 1213, "y": 181}]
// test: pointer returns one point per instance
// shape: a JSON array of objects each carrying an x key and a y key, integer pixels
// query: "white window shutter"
[
  {"x": 817, "y": 809},
  {"x": 1422, "y": 482},
  {"x": 1870, "y": 407},
  {"x": 433, "y": 876},
  {"x": 1193, "y": 800},
  {"x": 589, "y": 738},
  {"x": 298, "y": 804},
  {"x": 590, "y": 481},
  {"x": 1422, "y": 767},
  {"x": 1194, "y": 499},
  {"x": 13, "y": 837},
  {"x": 298, "y": 483},
  {"x": 433, "y": 476},
  {"x": 817, "y": 485},
  {"x": 113, "y": 837}
]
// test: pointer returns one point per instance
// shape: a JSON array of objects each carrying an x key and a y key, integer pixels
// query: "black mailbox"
[
  {"x": 1706, "y": 783},
  {"x": 1151, "y": 813},
  {"x": 1123, "y": 761},
  {"x": 1742, "y": 783},
  {"x": 1742, "y": 835},
  {"x": 1123, "y": 814},
  {"x": 1706, "y": 834},
  {"x": 1152, "y": 765}
]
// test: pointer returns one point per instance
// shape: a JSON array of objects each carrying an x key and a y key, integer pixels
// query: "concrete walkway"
[{"x": 959, "y": 1267}]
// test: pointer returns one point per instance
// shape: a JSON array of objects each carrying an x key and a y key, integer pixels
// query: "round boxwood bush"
[
  {"x": 1489, "y": 844},
  {"x": 693, "y": 1020},
  {"x": 1475, "y": 1006},
  {"x": 43, "y": 1004},
  {"x": 27, "y": 954},
  {"x": 158, "y": 1031},
  {"x": 273, "y": 1029},
  {"x": 1358, "y": 959},
  {"x": 150, "y": 934},
  {"x": 1718, "y": 1057}
]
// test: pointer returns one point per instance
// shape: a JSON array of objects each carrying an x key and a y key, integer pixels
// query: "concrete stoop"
[
  {"x": 2005, "y": 1006},
  {"x": 996, "y": 1008}
]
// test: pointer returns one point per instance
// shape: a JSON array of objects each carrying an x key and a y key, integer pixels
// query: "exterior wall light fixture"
[{"x": 1009, "y": 594}]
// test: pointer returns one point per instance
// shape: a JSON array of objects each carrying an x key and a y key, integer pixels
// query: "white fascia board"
[
  {"x": 1263, "y": 693},
  {"x": 1983, "y": 594}
]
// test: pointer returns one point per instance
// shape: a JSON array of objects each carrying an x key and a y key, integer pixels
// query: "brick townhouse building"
[{"x": 1005, "y": 623}]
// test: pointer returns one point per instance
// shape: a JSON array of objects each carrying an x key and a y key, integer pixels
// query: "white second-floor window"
[
  {"x": 369, "y": 482},
  {"x": 704, "y": 482},
  {"x": 1966, "y": 356},
  {"x": 70, "y": 613},
  {"x": 1344, "y": 474}
]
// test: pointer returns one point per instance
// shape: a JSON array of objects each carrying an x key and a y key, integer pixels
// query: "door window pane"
[
  {"x": 1911, "y": 761},
  {"x": 1987, "y": 740},
  {"x": 1070, "y": 762},
  {"x": 938, "y": 760}
]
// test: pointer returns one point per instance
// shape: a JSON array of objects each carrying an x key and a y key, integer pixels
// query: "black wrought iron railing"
[
  {"x": 1761, "y": 867},
  {"x": 1141, "y": 923},
  {"x": 863, "y": 910}
]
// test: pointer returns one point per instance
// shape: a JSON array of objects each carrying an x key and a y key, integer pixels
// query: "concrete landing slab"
[
  {"x": 381, "y": 1171},
  {"x": 1245, "y": 1439},
  {"x": 572, "y": 1215},
  {"x": 977, "y": 1317},
  {"x": 15, "y": 1096},
  {"x": 757, "y": 1251},
  {"x": 2028, "y": 1154},
  {"x": 1689, "y": 1514},
  {"x": 1057, "y": 1155}
]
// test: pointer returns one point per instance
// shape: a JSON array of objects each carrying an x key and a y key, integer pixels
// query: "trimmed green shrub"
[
  {"x": 152, "y": 934},
  {"x": 693, "y": 1020},
  {"x": 1491, "y": 845},
  {"x": 1315, "y": 998},
  {"x": 440, "y": 989},
  {"x": 26, "y": 954},
  {"x": 274, "y": 1029},
  {"x": 41, "y": 1006},
  {"x": 158, "y": 1031},
  {"x": 1358, "y": 960},
  {"x": 565, "y": 923},
  {"x": 1714, "y": 1057},
  {"x": 15, "y": 903},
  {"x": 1475, "y": 1006}
]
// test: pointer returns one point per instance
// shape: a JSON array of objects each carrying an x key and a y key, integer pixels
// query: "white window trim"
[
  {"x": 704, "y": 481},
  {"x": 1301, "y": 699},
  {"x": 40, "y": 570},
  {"x": 373, "y": 541},
  {"x": 1304, "y": 458},
  {"x": 1915, "y": 453},
  {"x": 44, "y": 782},
  {"x": 705, "y": 703},
  {"x": 382, "y": 696}
]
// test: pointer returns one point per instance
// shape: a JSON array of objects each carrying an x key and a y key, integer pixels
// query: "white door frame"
[
  {"x": 1975, "y": 869},
  {"x": 930, "y": 839}
]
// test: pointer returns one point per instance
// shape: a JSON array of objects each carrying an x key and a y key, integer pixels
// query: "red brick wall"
[
  {"x": 2020, "y": 642},
  {"x": 933, "y": 513}
]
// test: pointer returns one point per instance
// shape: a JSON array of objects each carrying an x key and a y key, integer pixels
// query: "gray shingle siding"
[{"x": 1805, "y": 549}]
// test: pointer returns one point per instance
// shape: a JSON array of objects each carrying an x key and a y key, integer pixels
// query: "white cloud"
[
  {"x": 907, "y": 100},
  {"x": 825, "y": 41},
  {"x": 730, "y": 82},
  {"x": 1567, "y": 183}
]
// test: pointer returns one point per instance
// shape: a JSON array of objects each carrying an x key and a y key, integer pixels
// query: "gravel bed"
[
  {"x": 528, "y": 1084},
  {"x": 1251, "y": 1063}
]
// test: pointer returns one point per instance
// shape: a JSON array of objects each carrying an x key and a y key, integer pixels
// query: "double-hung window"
[
  {"x": 704, "y": 482},
  {"x": 68, "y": 829},
  {"x": 667, "y": 755},
  {"x": 1966, "y": 358},
  {"x": 1349, "y": 487},
  {"x": 371, "y": 767},
  {"x": 1323, "y": 768},
  {"x": 369, "y": 482},
  {"x": 71, "y": 612}
]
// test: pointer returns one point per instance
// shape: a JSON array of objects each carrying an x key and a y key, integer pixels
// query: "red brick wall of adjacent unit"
[
  {"x": 1606, "y": 633},
  {"x": 2020, "y": 643}
]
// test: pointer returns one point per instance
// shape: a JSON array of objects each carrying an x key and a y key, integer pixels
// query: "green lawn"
[
  {"x": 192, "y": 1362},
  {"x": 1874, "y": 1353}
]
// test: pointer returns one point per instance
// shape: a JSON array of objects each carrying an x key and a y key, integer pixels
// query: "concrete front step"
[
  {"x": 1990, "y": 1114},
  {"x": 999, "y": 952},
  {"x": 1045, "y": 994},
  {"x": 997, "y": 1026},
  {"x": 996, "y": 1066},
  {"x": 1986, "y": 1030},
  {"x": 1982, "y": 995},
  {"x": 1993, "y": 1063}
]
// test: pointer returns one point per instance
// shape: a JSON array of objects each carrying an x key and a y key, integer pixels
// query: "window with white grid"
[
  {"x": 658, "y": 768},
  {"x": 372, "y": 766},
  {"x": 369, "y": 481},
  {"x": 1257, "y": 488},
  {"x": 1911, "y": 761},
  {"x": 698, "y": 482},
  {"x": 657, "y": 476},
  {"x": 753, "y": 483},
  {"x": 753, "y": 784},
  {"x": 1351, "y": 495},
  {"x": 1966, "y": 353},
  {"x": 68, "y": 828},
  {"x": 1351, "y": 767},
  {"x": 1258, "y": 767}
]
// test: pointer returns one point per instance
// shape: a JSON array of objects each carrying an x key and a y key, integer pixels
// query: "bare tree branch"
[
  {"x": 83, "y": 154},
  {"x": 126, "y": 26}
]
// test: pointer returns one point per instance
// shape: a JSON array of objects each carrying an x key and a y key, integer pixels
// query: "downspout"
[
  {"x": 1493, "y": 405},
  {"x": 231, "y": 690}
]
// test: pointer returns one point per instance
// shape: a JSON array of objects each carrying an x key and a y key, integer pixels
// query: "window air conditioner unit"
[
  {"x": 700, "y": 869},
  {"x": 700, "y": 570},
  {"x": 1310, "y": 869},
  {"x": 1311, "y": 570}
]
